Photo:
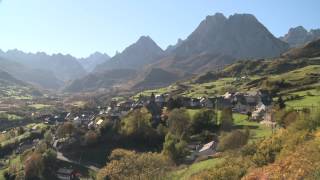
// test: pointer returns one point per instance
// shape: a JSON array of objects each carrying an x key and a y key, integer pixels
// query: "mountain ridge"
[
  {"x": 217, "y": 41},
  {"x": 143, "y": 51},
  {"x": 299, "y": 36}
]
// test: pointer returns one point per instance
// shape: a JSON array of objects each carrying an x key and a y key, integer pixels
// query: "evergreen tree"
[{"x": 281, "y": 103}]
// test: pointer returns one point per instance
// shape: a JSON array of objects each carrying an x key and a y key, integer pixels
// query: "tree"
[
  {"x": 90, "y": 138},
  {"x": 65, "y": 130},
  {"x": 20, "y": 130},
  {"x": 234, "y": 140},
  {"x": 285, "y": 117},
  {"x": 9, "y": 176},
  {"x": 179, "y": 122},
  {"x": 125, "y": 164},
  {"x": 174, "y": 147},
  {"x": 203, "y": 120},
  {"x": 48, "y": 137},
  {"x": 226, "y": 119},
  {"x": 49, "y": 158},
  {"x": 281, "y": 103},
  {"x": 174, "y": 103},
  {"x": 33, "y": 166},
  {"x": 137, "y": 123}
]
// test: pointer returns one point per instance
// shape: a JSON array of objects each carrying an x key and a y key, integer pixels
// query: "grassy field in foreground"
[
  {"x": 195, "y": 168},
  {"x": 40, "y": 106},
  {"x": 10, "y": 117},
  {"x": 241, "y": 121},
  {"x": 308, "y": 98},
  {"x": 257, "y": 130}
]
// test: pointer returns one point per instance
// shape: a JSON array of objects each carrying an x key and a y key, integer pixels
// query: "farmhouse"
[{"x": 207, "y": 149}]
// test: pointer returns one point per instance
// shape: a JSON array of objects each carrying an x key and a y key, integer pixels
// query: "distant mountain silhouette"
[
  {"x": 64, "y": 67},
  {"x": 144, "y": 51},
  {"x": 41, "y": 78},
  {"x": 299, "y": 36},
  {"x": 93, "y": 60},
  {"x": 8, "y": 79}
]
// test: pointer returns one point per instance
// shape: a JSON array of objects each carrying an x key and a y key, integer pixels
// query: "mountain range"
[
  {"x": 217, "y": 41},
  {"x": 48, "y": 71},
  {"x": 90, "y": 63},
  {"x": 299, "y": 36}
]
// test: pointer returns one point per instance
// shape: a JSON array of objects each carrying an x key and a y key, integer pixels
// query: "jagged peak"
[
  {"x": 216, "y": 17},
  {"x": 145, "y": 39},
  {"x": 249, "y": 17},
  {"x": 298, "y": 29}
]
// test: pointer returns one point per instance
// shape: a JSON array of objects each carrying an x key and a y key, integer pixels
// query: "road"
[{"x": 61, "y": 157}]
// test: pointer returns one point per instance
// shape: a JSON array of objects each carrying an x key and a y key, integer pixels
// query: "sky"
[{"x": 81, "y": 27}]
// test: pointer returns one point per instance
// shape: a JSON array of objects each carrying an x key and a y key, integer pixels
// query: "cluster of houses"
[{"x": 255, "y": 104}]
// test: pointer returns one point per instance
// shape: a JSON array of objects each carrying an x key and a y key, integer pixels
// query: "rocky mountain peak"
[
  {"x": 298, "y": 30},
  {"x": 218, "y": 17},
  {"x": 299, "y": 36},
  {"x": 239, "y": 35},
  {"x": 143, "y": 52}
]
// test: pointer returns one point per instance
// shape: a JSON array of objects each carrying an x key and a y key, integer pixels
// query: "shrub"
[
  {"x": 126, "y": 164},
  {"x": 66, "y": 129},
  {"x": 203, "y": 120},
  {"x": 231, "y": 169},
  {"x": 90, "y": 138},
  {"x": 137, "y": 126},
  {"x": 174, "y": 148},
  {"x": 233, "y": 140},
  {"x": 33, "y": 166},
  {"x": 179, "y": 122},
  {"x": 285, "y": 117},
  {"x": 226, "y": 119}
]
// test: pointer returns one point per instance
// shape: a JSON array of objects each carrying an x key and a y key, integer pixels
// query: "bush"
[
  {"x": 302, "y": 162},
  {"x": 137, "y": 125},
  {"x": 308, "y": 121},
  {"x": 65, "y": 130},
  {"x": 233, "y": 140},
  {"x": 90, "y": 138},
  {"x": 126, "y": 164},
  {"x": 174, "y": 148},
  {"x": 285, "y": 117},
  {"x": 203, "y": 120},
  {"x": 268, "y": 149},
  {"x": 231, "y": 169},
  {"x": 33, "y": 166},
  {"x": 226, "y": 119},
  {"x": 179, "y": 122}
]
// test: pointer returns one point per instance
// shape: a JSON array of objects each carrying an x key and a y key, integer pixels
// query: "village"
[{"x": 256, "y": 105}]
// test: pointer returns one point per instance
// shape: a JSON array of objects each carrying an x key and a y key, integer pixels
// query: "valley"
[{"x": 229, "y": 101}]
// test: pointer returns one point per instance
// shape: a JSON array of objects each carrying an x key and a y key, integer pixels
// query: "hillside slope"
[
  {"x": 101, "y": 80},
  {"x": 41, "y": 78},
  {"x": 310, "y": 50},
  {"x": 64, "y": 67}
]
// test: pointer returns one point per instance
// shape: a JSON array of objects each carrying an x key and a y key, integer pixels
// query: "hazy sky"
[{"x": 81, "y": 27}]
